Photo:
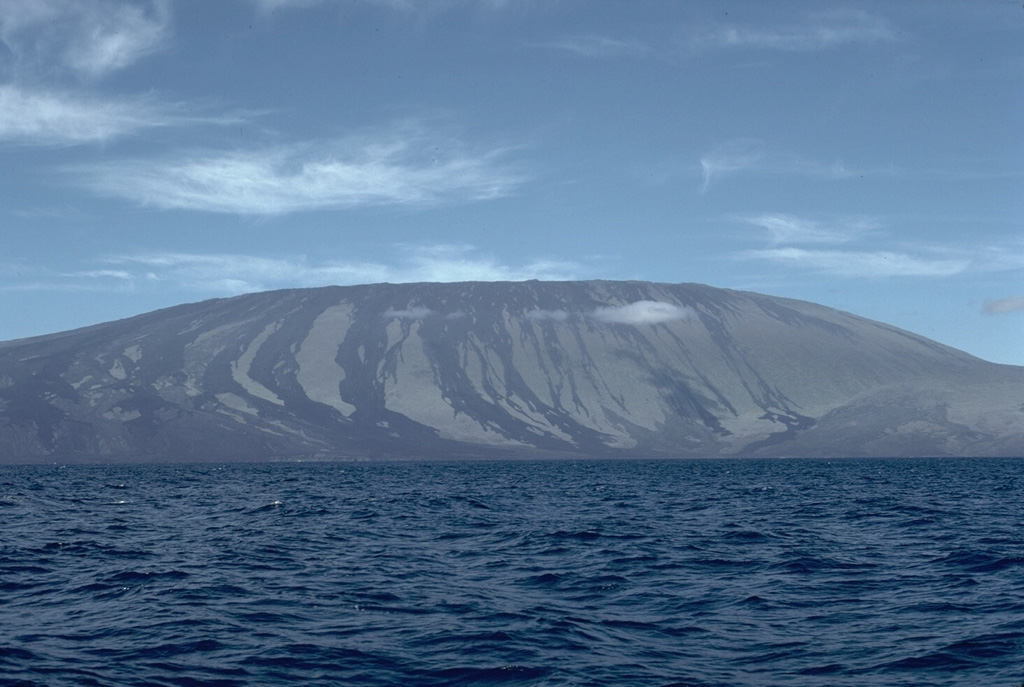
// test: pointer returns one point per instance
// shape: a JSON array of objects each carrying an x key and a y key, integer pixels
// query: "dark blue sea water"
[{"x": 725, "y": 573}]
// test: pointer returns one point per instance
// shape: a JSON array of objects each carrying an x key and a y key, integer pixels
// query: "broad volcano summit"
[{"x": 493, "y": 369}]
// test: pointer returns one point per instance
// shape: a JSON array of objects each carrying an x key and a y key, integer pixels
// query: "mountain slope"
[{"x": 594, "y": 368}]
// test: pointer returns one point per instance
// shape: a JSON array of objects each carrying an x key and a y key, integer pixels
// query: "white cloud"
[
  {"x": 750, "y": 156},
  {"x": 732, "y": 157},
  {"x": 404, "y": 168},
  {"x": 90, "y": 37},
  {"x": 102, "y": 274},
  {"x": 792, "y": 239},
  {"x": 446, "y": 262},
  {"x": 820, "y": 32},
  {"x": 638, "y": 313},
  {"x": 20, "y": 277},
  {"x": 118, "y": 36},
  {"x": 642, "y": 312},
  {"x": 864, "y": 263},
  {"x": 233, "y": 274},
  {"x": 1002, "y": 306},
  {"x": 789, "y": 229},
  {"x": 51, "y": 118},
  {"x": 600, "y": 46},
  {"x": 59, "y": 286},
  {"x": 418, "y": 313},
  {"x": 271, "y": 5},
  {"x": 433, "y": 5}
]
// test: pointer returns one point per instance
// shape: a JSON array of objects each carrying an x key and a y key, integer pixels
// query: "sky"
[{"x": 868, "y": 156}]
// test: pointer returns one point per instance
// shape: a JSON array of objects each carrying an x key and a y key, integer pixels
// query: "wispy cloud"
[
  {"x": 408, "y": 5},
  {"x": 236, "y": 273},
  {"x": 592, "y": 45},
  {"x": 233, "y": 273},
  {"x": 57, "y": 285},
  {"x": 1003, "y": 306},
  {"x": 752, "y": 157},
  {"x": 819, "y": 32},
  {"x": 123, "y": 275},
  {"x": 733, "y": 157},
  {"x": 271, "y": 5},
  {"x": 881, "y": 263},
  {"x": 52, "y": 118},
  {"x": 92, "y": 38},
  {"x": 790, "y": 235},
  {"x": 21, "y": 277},
  {"x": 789, "y": 229},
  {"x": 118, "y": 35},
  {"x": 405, "y": 167},
  {"x": 867, "y": 251},
  {"x": 49, "y": 39},
  {"x": 447, "y": 262}
]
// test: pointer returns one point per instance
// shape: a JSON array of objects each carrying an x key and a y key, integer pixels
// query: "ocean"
[{"x": 692, "y": 572}]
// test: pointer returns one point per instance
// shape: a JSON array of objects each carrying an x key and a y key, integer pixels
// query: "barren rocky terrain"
[{"x": 496, "y": 370}]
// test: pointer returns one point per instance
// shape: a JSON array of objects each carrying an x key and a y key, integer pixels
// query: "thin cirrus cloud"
[
  {"x": 818, "y": 32},
  {"x": 394, "y": 170},
  {"x": 881, "y": 263},
  {"x": 448, "y": 263},
  {"x": 48, "y": 39},
  {"x": 593, "y": 45},
  {"x": 90, "y": 38},
  {"x": 795, "y": 243},
  {"x": 123, "y": 275},
  {"x": 821, "y": 31},
  {"x": 270, "y": 5},
  {"x": 789, "y": 229},
  {"x": 24, "y": 278},
  {"x": 750, "y": 157},
  {"x": 234, "y": 274},
  {"x": 733, "y": 157},
  {"x": 50, "y": 118}
]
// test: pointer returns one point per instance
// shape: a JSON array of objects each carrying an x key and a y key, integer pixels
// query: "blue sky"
[{"x": 863, "y": 155}]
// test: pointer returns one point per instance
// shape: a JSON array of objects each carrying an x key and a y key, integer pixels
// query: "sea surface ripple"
[{"x": 699, "y": 573}]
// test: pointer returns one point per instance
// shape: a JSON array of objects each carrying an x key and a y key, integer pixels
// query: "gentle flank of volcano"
[{"x": 500, "y": 369}]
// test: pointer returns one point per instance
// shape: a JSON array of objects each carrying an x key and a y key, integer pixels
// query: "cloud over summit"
[{"x": 642, "y": 312}]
